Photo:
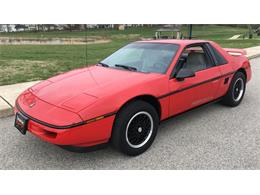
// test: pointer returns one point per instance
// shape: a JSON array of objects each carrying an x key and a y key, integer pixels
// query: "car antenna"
[{"x": 86, "y": 53}]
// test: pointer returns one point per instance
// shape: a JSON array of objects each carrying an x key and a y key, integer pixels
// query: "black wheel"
[
  {"x": 236, "y": 90},
  {"x": 135, "y": 128}
]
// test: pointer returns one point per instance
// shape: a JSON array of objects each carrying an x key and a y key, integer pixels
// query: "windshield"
[{"x": 143, "y": 57}]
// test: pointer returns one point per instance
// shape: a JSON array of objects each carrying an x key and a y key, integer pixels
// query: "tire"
[
  {"x": 135, "y": 128},
  {"x": 236, "y": 90}
]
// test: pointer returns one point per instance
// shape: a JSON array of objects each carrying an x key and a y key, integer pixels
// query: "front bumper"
[{"x": 84, "y": 134}]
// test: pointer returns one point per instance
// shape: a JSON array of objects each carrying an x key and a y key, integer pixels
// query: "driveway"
[{"x": 210, "y": 137}]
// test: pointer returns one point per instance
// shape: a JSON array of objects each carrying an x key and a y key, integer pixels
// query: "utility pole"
[{"x": 190, "y": 31}]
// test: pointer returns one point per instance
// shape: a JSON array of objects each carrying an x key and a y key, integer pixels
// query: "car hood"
[{"x": 79, "y": 88}]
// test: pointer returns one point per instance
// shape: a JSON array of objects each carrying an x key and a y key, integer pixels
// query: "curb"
[
  {"x": 253, "y": 56},
  {"x": 8, "y": 95},
  {"x": 6, "y": 109}
]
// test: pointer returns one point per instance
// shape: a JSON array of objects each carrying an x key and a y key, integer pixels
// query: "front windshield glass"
[{"x": 143, "y": 57}]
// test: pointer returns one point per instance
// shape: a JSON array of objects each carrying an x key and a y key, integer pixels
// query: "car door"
[{"x": 199, "y": 89}]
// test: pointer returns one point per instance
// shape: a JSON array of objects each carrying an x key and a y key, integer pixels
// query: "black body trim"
[
  {"x": 65, "y": 126},
  {"x": 195, "y": 85}
]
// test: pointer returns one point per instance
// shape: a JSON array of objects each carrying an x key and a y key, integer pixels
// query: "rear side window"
[{"x": 220, "y": 60}]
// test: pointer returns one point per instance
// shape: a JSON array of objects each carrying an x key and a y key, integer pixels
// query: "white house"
[{"x": 7, "y": 28}]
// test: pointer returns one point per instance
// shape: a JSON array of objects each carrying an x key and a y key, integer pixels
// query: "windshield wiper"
[
  {"x": 103, "y": 64},
  {"x": 131, "y": 68}
]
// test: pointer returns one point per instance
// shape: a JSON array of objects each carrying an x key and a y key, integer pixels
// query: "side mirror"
[
  {"x": 184, "y": 73},
  {"x": 183, "y": 59},
  {"x": 179, "y": 65}
]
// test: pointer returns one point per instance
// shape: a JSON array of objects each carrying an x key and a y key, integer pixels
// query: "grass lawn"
[{"x": 20, "y": 63}]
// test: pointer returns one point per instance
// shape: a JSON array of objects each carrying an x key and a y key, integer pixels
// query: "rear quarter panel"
[{"x": 234, "y": 64}]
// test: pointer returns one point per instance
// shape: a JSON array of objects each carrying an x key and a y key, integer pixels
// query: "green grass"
[{"x": 20, "y": 63}]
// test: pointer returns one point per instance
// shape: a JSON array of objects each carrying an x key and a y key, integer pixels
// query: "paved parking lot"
[{"x": 210, "y": 137}]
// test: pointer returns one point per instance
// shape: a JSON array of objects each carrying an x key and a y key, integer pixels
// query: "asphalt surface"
[{"x": 210, "y": 137}]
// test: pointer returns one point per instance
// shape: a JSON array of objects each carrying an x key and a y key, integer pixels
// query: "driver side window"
[{"x": 197, "y": 58}]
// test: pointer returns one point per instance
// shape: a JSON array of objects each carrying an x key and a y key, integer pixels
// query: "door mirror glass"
[
  {"x": 184, "y": 73},
  {"x": 183, "y": 59}
]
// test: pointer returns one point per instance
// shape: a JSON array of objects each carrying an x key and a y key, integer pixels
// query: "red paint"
[{"x": 86, "y": 93}]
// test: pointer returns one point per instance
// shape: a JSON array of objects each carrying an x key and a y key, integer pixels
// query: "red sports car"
[{"x": 123, "y": 98}]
